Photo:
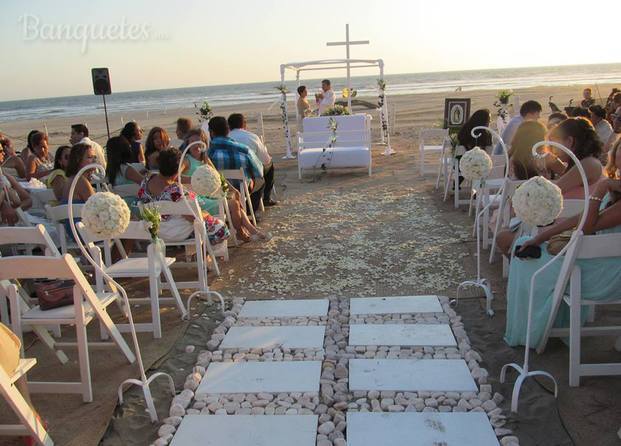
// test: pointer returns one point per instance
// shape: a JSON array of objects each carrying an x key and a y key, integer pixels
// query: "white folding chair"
[
  {"x": 24, "y": 239},
  {"x": 446, "y": 164},
  {"x": 430, "y": 140},
  {"x": 239, "y": 175},
  {"x": 568, "y": 290},
  {"x": 59, "y": 215},
  {"x": 87, "y": 305},
  {"x": 153, "y": 266},
  {"x": 29, "y": 423}
]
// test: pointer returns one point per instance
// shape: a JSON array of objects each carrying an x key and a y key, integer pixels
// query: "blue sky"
[{"x": 184, "y": 43}]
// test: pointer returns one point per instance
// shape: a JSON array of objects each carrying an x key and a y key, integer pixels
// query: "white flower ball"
[
  {"x": 206, "y": 181},
  {"x": 538, "y": 202},
  {"x": 475, "y": 164},
  {"x": 106, "y": 214}
]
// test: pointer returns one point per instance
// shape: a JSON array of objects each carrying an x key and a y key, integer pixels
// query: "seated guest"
[
  {"x": 602, "y": 127},
  {"x": 245, "y": 230},
  {"x": 578, "y": 112},
  {"x": 119, "y": 171},
  {"x": 522, "y": 164},
  {"x": 304, "y": 108},
  {"x": 157, "y": 140},
  {"x": 529, "y": 111},
  {"x": 13, "y": 164},
  {"x": 600, "y": 277},
  {"x": 578, "y": 135},
  {"x": 484, "y": 140},
  {"x": 326, "y": 98},
  {"x": 184, "y": 125},
  {"x": 555, "y": 119},
  {"x": 56, "y": 179},
  {"x": 133, "y": 133},
  {"x": 12, "y": 197},
  {"x": 616, "y": 129},
  {"x": 79, "y": 135},
  {"x": 38, "y": 164},
  {"x": 239, "y": 132},
  {"x": 227, "y": 154},
  {"x": 612, "y": 102},
  {"x": 163, "y": 186},
  {"x": 26, "y": 151},
  {"x": 587, "y": 98},
  {"x": 80, "y": 155}
]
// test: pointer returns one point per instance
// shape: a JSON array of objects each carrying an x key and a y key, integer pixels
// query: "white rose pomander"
[
  {"x": 106, "y": 214},
  {"x": 538, "y": 202},
  {"x": 206, "y": 181},
  {"x": 475, "y": 164}
]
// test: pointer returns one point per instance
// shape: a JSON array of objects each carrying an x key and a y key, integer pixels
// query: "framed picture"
[{"x": 456, "y": 112}]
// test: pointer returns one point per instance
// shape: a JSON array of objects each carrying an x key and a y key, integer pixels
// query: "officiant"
[{"x": 326, "y": 98}]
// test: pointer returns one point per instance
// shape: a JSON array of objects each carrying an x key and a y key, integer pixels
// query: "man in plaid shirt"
[{"x": 227, "y": 154}]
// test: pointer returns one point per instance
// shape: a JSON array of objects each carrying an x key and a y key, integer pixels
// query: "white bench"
[{"x": 351, "y": 149}]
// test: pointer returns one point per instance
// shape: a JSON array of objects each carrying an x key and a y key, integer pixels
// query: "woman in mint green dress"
[{"x": 601, "y": 278}]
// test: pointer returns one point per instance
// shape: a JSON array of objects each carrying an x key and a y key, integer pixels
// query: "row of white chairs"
[{"x": 568, "y": 285}]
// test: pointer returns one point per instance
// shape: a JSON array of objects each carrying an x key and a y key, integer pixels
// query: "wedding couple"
[{"x": 325, "y": 100}]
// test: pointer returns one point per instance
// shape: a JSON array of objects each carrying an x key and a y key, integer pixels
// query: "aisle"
[{"x": 393, "y": 371}]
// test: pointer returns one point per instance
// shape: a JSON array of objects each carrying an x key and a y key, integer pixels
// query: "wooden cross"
[{"x": 347, "y": 44}]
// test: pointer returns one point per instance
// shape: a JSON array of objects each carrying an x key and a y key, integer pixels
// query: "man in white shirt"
[
  {"x": 239, "y": 132},
  {"x": 327, "y": 98},
  {"x": 598, "y": 119},
  {"x": 615, "y": 135},
  {"x": 529, "y": 111},
  {"x": 79, "y": 135}
]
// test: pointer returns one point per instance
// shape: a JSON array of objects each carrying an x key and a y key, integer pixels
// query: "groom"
[{"x": 326, "y": 99}]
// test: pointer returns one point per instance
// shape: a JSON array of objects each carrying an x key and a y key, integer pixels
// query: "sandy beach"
[{"x": 332, "y": 232}]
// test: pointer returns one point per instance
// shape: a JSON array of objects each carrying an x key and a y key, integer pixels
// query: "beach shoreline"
[{"x": 412, "y": 111}]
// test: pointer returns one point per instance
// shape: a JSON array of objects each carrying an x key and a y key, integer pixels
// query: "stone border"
[{"x": 334, "y": 398}]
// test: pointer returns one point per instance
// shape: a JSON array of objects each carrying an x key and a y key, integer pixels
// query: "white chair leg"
[
  {"x": 154, "y": 292},
  {"x": 422, "y": 161},
  {"x": 173, "y": 289},
  {"x": 23, "y": 411},
  {"x": 456, "y": 187},
  {"x": 485, "y": 228},
  {"x": 85, "y": 369},
  {"x": 574, "y": 328}
]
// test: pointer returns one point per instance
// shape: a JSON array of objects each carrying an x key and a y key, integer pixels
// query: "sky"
[{"x": 49, "y": 47}]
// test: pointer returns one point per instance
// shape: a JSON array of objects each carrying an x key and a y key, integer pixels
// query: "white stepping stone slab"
[
  {"x": 420, "y": 429},
  {"x": 431, "y": 335},
  {"x": 435, "y": 375},
  {"x": 257, "y": 377},
  {"x": 287, "y": 336},
  {"x": 246, "y": 430},
  {"x": 285, "y": 308},
  {"x": 392, "y": 305}
]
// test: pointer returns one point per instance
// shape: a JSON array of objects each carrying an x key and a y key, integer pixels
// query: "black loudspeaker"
[{"x": 101, "y": 81}]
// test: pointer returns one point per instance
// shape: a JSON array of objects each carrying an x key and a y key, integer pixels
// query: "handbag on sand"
[
  {"x": 54, "y": 293},
  {"x": 10, "y": 346}
]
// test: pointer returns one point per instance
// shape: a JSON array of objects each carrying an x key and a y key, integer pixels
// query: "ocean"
[{"x": 265, "y": 92}]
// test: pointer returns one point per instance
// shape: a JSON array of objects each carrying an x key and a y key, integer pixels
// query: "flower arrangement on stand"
[
  {"x": 476, "y": 165},
  {"x": 502, "y": 105},
  {"x": 204, "y": 112},
  {"x": 381, "y": 107},
  {"x": 529, "y": 202},
  {"x": 108, "y": 215},
  {"x": 284, "y": 115}
]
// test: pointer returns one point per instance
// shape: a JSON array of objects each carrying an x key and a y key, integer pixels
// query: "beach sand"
[{"x": 331, "y": 232}]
